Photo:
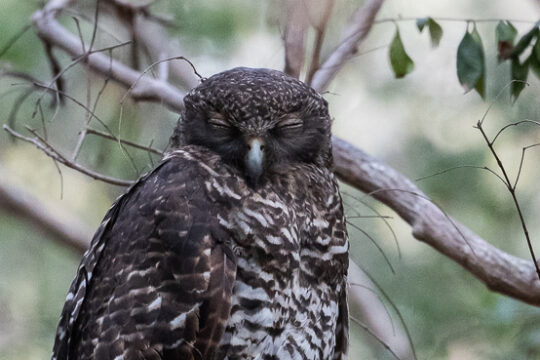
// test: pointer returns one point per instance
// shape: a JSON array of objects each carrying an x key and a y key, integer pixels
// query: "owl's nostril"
[{"x": 262, "y": 147}]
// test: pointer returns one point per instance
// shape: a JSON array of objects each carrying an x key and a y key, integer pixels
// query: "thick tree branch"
[
  {"x": 153, "y": 38},
  {"x": 65, "y": 230},
  {"x": 147, "y": 89},
  {"x": 361, "y": 23},
  {"x": 294, "y": 36},
  {"x": 500, "y": 271}
]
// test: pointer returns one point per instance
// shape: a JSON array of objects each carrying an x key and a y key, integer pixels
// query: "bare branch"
[
  {"x": 375, "y": 336},
  {"x": 501, "y": 272},
  {"x": 320, "y": 31},
  {"x": 366, "y": 304},
  {"x": 14, "y": 39},
  {"x": 360, "y": 25},
  {"x": 377, "y": 215},
  {"x": 296, "y": 26},
  {"x": 526, "y": 121},
  {"x": 84, "y": 131},
  {"x": 148, "y": 89},
  {"x": 154, "y": 38},
  {"x": 74, "y": 236},
  {"x": 523, "y": 150},
  {"x": 512, "y": 191},
  {"x": 374, "y": 242},
  {"x": 126, "y": 142},
  {"x": 52, "y": 153}
]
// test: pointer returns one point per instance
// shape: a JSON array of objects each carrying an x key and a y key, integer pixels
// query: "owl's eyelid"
[
  {"x": 291, "y": 122},
  {"x": 219, "y": 121}
]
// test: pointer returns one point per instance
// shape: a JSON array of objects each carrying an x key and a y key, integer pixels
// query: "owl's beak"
[{"x": 254, "y": 160}]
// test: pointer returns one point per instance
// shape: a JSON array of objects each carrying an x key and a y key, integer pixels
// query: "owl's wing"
[
  {"x": 342, "y": 329},
  {"x": 156, "y": 282}
]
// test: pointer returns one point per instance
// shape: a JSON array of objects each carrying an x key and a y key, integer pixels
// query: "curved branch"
[
  {"x": 147, "y": 89},
  {"x": 42, "y": 145},
  {"x": 361, "y": 23},
  {"x": 71, "y": 234},
  {"x": 501, "y": 272}
]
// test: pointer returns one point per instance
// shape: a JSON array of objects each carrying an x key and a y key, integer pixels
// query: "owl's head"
[{"x": 258, "y": 120}]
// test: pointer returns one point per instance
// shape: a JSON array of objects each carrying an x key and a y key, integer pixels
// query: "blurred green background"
[{"x": 419, "y": 125}]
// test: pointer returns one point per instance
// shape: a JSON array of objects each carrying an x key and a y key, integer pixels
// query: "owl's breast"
[{"x": 290, "y": 274}]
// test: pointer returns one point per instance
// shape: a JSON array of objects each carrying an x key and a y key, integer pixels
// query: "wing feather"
[{"x": 158, "y": 276}]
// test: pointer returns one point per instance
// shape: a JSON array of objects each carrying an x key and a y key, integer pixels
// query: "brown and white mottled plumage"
[{"x": 233, "y": 247}]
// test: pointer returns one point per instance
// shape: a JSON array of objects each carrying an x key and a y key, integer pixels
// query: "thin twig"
[
  {"x": 380, "y": 299},
  {"x": 422, "y": 196},
  {"x": 386, "y": 259},
  {"x": 523, "y": 150},
  {"x": 386, "y": 222},
  {"x": 126, "y": 142},
  {"x": 499, "y": 94},
  {"x": 51, "y": 152},
  {"x": 14, "y": 39},
  {"x": 512, "y": 191},
  {"x": 375, "y": 336},
  {"x": 462, "y": 167},
  {"x": 527, "y": 121},
  {"x": 151, "y": 66},
  {"x": 81, "y": 58},
  {"x": 82, "y": 135},
  {"x": 396, "y": 309}
]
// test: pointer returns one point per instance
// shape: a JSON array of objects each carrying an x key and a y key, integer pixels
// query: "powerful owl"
[{"x": 233, "y": 247}]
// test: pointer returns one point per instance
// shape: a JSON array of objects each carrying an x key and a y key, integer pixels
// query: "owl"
[{"x": 233, "y": 247}]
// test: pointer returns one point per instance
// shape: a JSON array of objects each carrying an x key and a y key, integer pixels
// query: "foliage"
[{"x": 471, "y": 67}]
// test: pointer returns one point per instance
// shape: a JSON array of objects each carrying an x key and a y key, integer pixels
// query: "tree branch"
[
  {"x": 75, "y": 236},
  {"x": 42, "y": 145},
  {"x": 147, "y": 89},
  {"x": 360, "y": 25},
  {"x": 294, "y": 36},
  {"x": 500, "y": 271},
  {"x": 320, "y": 31}
]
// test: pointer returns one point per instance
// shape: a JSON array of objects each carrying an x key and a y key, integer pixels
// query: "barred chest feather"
[{"x": 291, "y": 247}]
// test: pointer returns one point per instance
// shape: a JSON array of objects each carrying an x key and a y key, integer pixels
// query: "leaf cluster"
[{"x": 470, "y": 57}]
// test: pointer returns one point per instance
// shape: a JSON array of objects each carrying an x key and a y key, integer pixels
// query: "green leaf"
[
  {"x": 519, "y": 74},
  {"x": 435, "y": 30},
  {"x": 525, "y": 41},
  {"x": 505, "y": 31},
  {"x": 470, "y": 63},
  {"x": 534, "y": 63},
  {"x": 506, "y": 34},
  {"x": 481, "y": 84},
  {"x": 534, "y": 59},
  {"x": 421, "y": 22},
  {"x": 401, "y": 63}
]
